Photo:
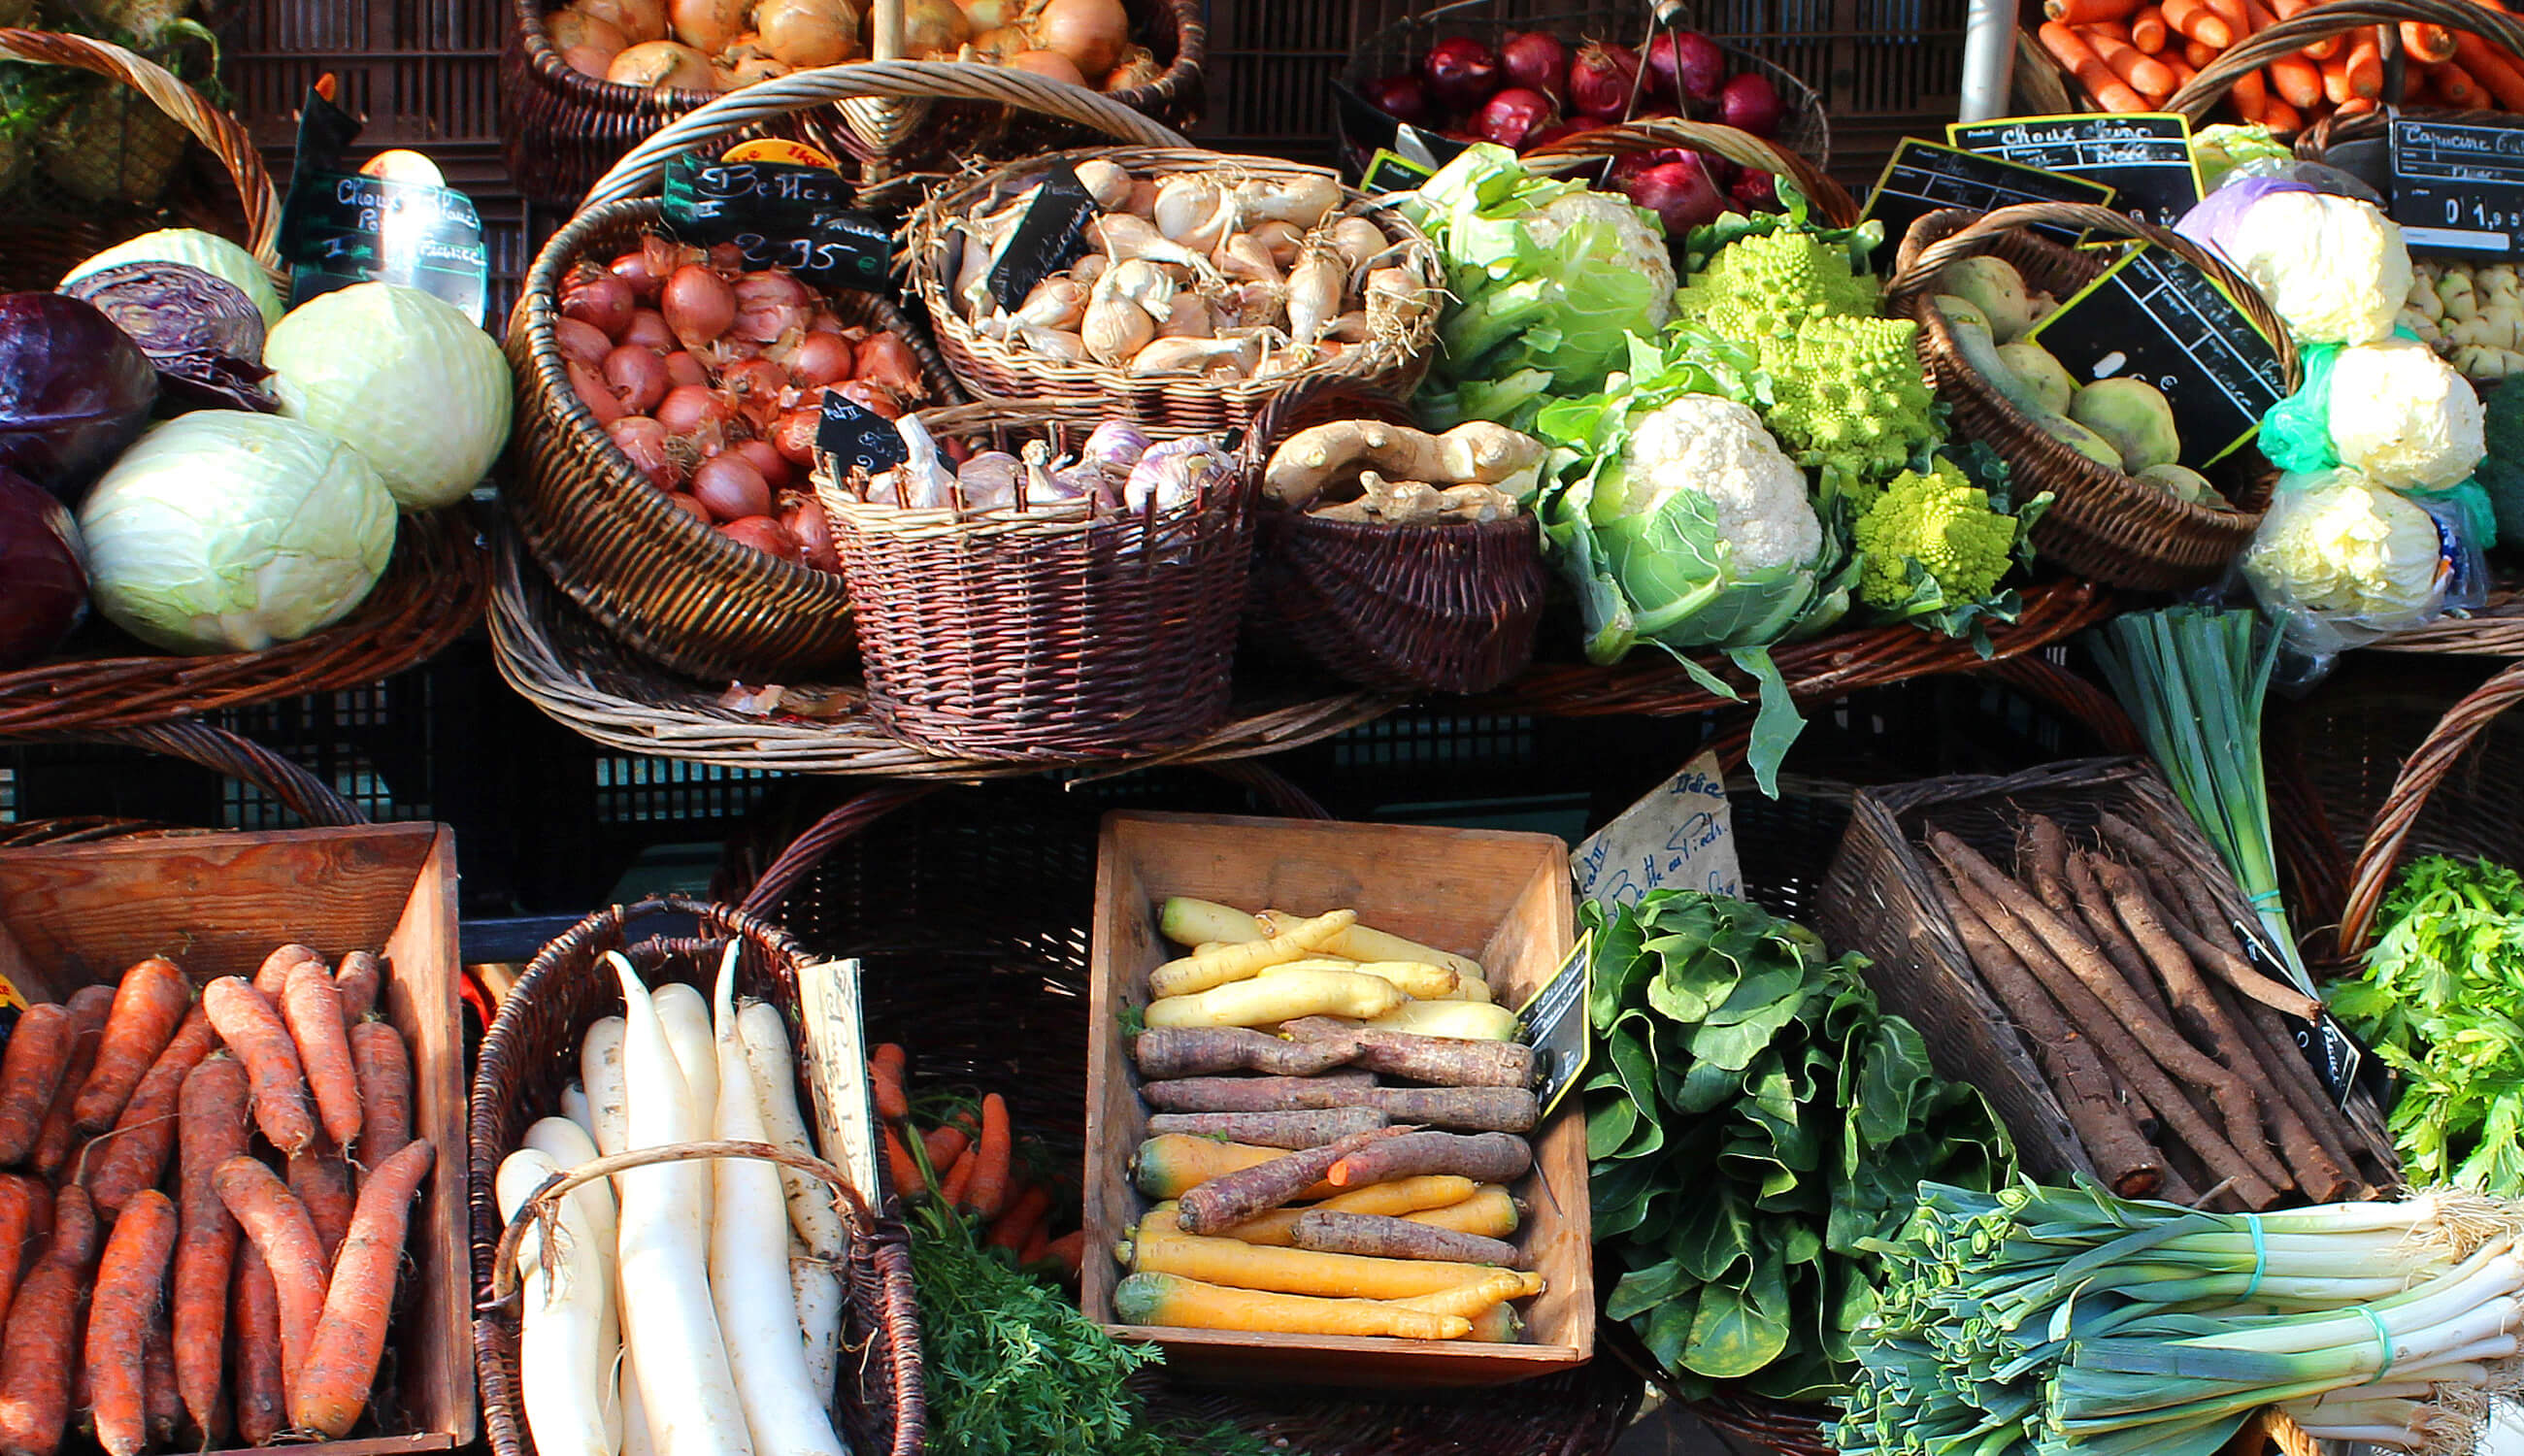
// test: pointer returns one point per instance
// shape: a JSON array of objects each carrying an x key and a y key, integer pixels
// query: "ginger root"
[
  {"x": 1312, "y": 460},
  {"x": 1416, "y": 502}
]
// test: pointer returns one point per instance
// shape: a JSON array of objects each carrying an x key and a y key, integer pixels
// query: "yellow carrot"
[
  {"x": 1160, "y": 1246},
  {"x": 1474, "y": 1295},
  {"x": 1165, "y": 1300}
]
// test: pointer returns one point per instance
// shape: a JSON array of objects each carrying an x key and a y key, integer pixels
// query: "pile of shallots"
[
  {"x": 710, "y": 379},
  {"x": 1204, "y": 272},
  {"x": 1115, "y": 469}
]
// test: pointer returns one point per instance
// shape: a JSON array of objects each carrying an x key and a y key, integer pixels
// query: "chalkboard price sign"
[
  {"x": 1388, "y": 171},
  {"x": 2154, "y": 316},
  {"x": 1554, "y": 1024},
  {"x": 1050, "y": 237},
  {"x": 1923, "y": 177},
  {"x": 339, "y": 228},
  {"x": 2458, "y": 189},
  {"x": 2143, "y": 157},
  {"x": 779, "y": 214},
  {"x": 857, "y": 437}
]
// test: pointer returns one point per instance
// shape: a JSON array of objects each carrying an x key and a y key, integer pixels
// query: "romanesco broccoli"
[
  {"x": 1849, "y": 396},
  {"x": 1942, "y": 521},
  {"x": 1761, "y": 287}
]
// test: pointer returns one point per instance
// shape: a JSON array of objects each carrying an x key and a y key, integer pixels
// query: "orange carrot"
[
  {"x": 2250, "y": 94},
  {"x": 2297, "y": 81},
  {"x": 2146, "y": 75},
  {"x": 278, "y": 1224},
  {"x": 38, "y": 1350},
  {"x": 2182, "y": 71},
  {"x": 18, "y": 1198},
  {"x": 360, "y": 980},
  {"x": 2147, "y": 30},
  {"x": 88, "y": 1008},
  {"x": 2088, "y": 12},
  {"x": 885, "y": 1083},
  {"x": 2196, "y": 22},
  {"x": 2426, "y": 42},
  {"x": 2354, "y": 106},
  {"x": 323, "y": 1181},
  {"x": 30, "y": 1072},
  {"x": 2335, "y": 80},
  {"x": 1036, "y": 1243},
  {"x": 2456, "y": 87},
  {"x": 2199, "y": 56},
  {"x": 312, "y": 1009},
  {"x": 148, "y": 1005},
  {"x": 2324, "y": 49},
  {"x": 958, "y": 1179},
  {"x": 2240, "y": 18},
  {"x": 158, "y": 1378},
  {"x": 2278, "y": 116},
  {"x": 211, "y": 1130},
  {"x": 988, "y": 1190},
  {"x": 135, "y": 1151},
  {"x": 1069, "y": 1249},
  {"x": 2079, "y": 60},
  {"x": 130, "y": 1284},
  {"x": 2365, "y": 65},
  {"x": 1023, "y": 1219},
  {"x": 332, "y": 1386},
  {"x": 252, "y": 1027},
  {"x": 273, "y": 977},
  {"x": 2108, "y": 30},
  {"x": 2504, "y": 79},
  {"x": 899, "y": 1163},
  {"x": 385, "y": 1091},
  {"x": 261, "y": 1395},
  {"x": 943, "y": 1146}
]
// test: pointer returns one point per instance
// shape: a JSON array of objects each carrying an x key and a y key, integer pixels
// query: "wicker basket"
[
  {"x": 1047, "y": 634},
  {"x": 214, "y": 749},
  {"x": 1184, "y": 403},
  {"x": 532, "y": 1050},
  {"x": 1804, "y": 128},
  {"x": 561, "y": 129},
  {"x": 1831, "y": 203},
  {"x": 2102, "y": 525}
]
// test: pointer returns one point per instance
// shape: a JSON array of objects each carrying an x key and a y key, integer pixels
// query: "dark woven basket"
[
  {"x": 1831, "y": 203},
  {"x": 532, "y": 1050},
  {"x": 195, "y": 742},
  {"x": 561, "y": 129},
  {"x": 1055, "y": 633},
  {"x": 673, "y": 588},
  {"x": 969, "y": 915},
  {"x": 1183, "y": 401},
  {"x": 2103, "y": 524}
]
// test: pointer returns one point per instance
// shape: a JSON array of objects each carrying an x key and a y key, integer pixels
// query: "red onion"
[
  {"x": 822, "y": 358},
  {"x": 1461, "y": 72},
  {"x": 872, "y": 397},
  {"x": 1514, "y": 114},
  {"x": 1631, "y": 163},
  {"x": 887, "y": 361},
  {"x": 644, "y": 440},
  {"x": 639, "y": 271},
  {"x": 1601, "y": 80},
  {"x": 1686, "y": 66},
  {"x": 699, "y": 304},
  {"x": 1556, "y": 133},
  {"x": 581, "y": 341},
  {"x": 638, "y": 376},
  {"x": 683, "y": 501},
  {"x": 1400, "y": 97},
  {"x": 683, "y": 368},
  {"x": 1681, "y": 193},
  {"x": 688, "y": 409},
  {"x": 648, "y": 329},
  {"x": 765, "y": 457},
  {"x": 593, "y": 392},
  {"x": 731, "y": 488},
  {"x": 769, "y": 305},
  {"x": 793, "y": 436},
  {"x": 599, "y": 298},
  {"x": 766, "y": 536},
  {"x": 1536, "y": 62},
  {"x": 804, "y": 518},
  {"x": 1756, "y": 189},
  {"x": 1749, "y": 103}
]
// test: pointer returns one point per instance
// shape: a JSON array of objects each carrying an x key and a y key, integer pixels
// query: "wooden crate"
[
  {"x": 216, "y": 904},
  {"x": 1502, "y": 898}
]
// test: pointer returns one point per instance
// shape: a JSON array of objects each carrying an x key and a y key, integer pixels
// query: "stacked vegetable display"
[
  {"x": 690, "y": 1306},
  {"x": 1409, "y": 1231},
  {"x": 131, "y": 1114},
  {"x": 709, "y": 379},
  {"x": 720, "y": 45}
]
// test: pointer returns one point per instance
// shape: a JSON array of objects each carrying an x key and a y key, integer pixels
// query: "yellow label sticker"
[
  {"x": 9, "y": 999},
  {"x": 776, "y": 149}
]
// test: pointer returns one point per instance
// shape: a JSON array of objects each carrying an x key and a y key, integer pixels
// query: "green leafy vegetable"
[
  {"x": 2439, "y": 1002},
  {"x": 1755, "y": 1116}
]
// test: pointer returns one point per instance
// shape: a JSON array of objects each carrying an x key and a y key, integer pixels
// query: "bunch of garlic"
[{"x": 1206, "y": 274}]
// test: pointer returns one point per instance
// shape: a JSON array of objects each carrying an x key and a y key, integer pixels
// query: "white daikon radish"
[
  {"x": 687, "y": 1391},
  {"x": 750, "y": 1266},
  {"x": 635, "y": 1422},
  {"x": 686, "y": 1017},
  {"x": 570, "y": 1146},
  {"x": 563, "y": 1368},
  {"x": 817, "y": 1287},
  {"x": 574, "y": 1106},
  {"x": 600, "y": 1066},
  {"x": 775, "y": 1085}
]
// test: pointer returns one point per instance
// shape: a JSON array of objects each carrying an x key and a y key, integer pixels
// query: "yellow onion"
[
  {"x": 572, "y": 30},
  {"x": 707, "y": 26},
  {"x": 663, "y": 63},
  {"x": 805, "y": 33},
  {"x": 639, "y": 21},
  {"x": 1089, "y": 32},
  {"x": 1051, "y": 63},
  {"x": 931, "y": 26}
]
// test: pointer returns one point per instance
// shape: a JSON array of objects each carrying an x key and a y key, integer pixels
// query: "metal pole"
[{"x": 1989, "y": 59}]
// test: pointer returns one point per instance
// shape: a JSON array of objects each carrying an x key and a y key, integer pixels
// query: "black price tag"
[
  {"x": 1923, "y": 177},
  {"x": 856, "y": 436},
  {"x": 2458, "y": 189},
  {"x": 1388, "y": 172},
  {"x": 340, "y": 228},
  {"x": 779, "y": 214},
  {"x": 2154, "y": 316},
  {"x": 1370, "y": 134},
  {"x": 2338, "y": 1062},
  {"x": 1050, "y": 237},
  {"x": 2144, "y": 157},
  {"x": 1554, "y": 1024}
]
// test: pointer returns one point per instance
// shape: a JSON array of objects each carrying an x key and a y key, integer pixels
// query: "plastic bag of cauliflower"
[{"x": 2341, "y": 561}]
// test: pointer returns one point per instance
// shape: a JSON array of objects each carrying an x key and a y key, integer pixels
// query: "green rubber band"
[
  {"x": 2383, "y": 1338},
  {"x": 2264, "y": 900},
  {"x": 2261, "y": 1253}
]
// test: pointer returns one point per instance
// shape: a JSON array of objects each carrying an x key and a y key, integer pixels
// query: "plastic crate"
[{"x": 424, "y": 72}]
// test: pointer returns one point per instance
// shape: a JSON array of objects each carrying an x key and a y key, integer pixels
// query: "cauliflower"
[
  {"x": 1849, "y": 396},
  {"x": 1636, "y": 247},
  {"x": 1763, "y": 286},
  {"x": 2333, "y": 267},
  {"x": 2339, "y": 559},
  {"x": 1942, "y": 521},
  {"x": 2404, "y": 415},
  {"x": 1718, "y": 448}
]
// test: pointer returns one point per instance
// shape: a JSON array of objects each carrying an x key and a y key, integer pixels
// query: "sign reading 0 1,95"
[
  {"x": 2459, "y": 187},
  {"x": 778, "y": 214}
]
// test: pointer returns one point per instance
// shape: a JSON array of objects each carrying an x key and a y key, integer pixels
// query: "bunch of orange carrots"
[
  {"x": 969, "y": 1159},
  {"x": 208, "y": 1209},
  {"x": 2133, "y": 55}
]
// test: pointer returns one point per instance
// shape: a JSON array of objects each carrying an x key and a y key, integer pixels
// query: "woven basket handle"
[
  {"x": 241, "y": 759},
  {"x": 2421, "y": 772},
  {"x": 212, "y": 128},
  {"x": 1829, "y": 198},
  {"x": 2336, "y": 18},
  {"x": 900, "y": 81},
  {"x": 2268, "y": 1428},
  {"x": 1915, "y": 273}
]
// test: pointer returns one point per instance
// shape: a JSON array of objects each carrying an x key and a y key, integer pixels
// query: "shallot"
[
  {"x": 793, "y": 436},
  {"x": 644, "y": 440},
  {"x": 884, "y": 359},
  {"x": 821, "y": 358},
  {"x": 756, "y": 385},
  {"x": 1089, "y": 32},
  {"x": 767, "y": 536},
  {"x": 765, "y": 458},
  {"x": 731, "y": 488},
  {"x": 683, "y": 368},
  {"x": 695, "y": 412},
  {"x": 804, "y": 518},
  {"x": 599, "y": 298},
  {"x": 683, "y": 501},
  {"x": 577, "y": 339},
  {"x": 648, "y": 329},
  {"x": 638, "y": 376},
  {"x": 871, "y": 396},
  {"x": 593, "y": 392},
  {"x": 769, "y": 305},
  {"x": 699, "y": 304},
  {"x": 636, "y": 268}
]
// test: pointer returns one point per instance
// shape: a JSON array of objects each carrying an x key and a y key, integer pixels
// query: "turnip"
[
  {"x": 775, "y": 1086},
  {"x": 563, "y": 1367}
]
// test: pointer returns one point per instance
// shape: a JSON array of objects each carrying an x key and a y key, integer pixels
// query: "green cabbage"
[
  {"x": 194, "y": 248},
  {"x": 402, "y": 377},
  {"x": 223, "y": 531}
]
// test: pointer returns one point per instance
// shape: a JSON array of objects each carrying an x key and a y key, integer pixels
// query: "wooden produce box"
[
  {"x": 216, "y": 904},
  {"x": 1502, "y": 898}
]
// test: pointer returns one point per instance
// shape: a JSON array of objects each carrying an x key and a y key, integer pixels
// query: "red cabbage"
[
  {"x": 202, "y": 332},
  {"x": 74, "y": 390},
  {"x": 43, "y": 585}
]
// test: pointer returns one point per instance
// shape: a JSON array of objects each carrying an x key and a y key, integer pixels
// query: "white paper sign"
[{"x": 1679, "y": 837}]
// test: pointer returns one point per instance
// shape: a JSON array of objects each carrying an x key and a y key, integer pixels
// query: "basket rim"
[
  {"x": 929, "y": 233},
  {"x": 435, "y": 587},
  {"x": 1740, "y": 147}
]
